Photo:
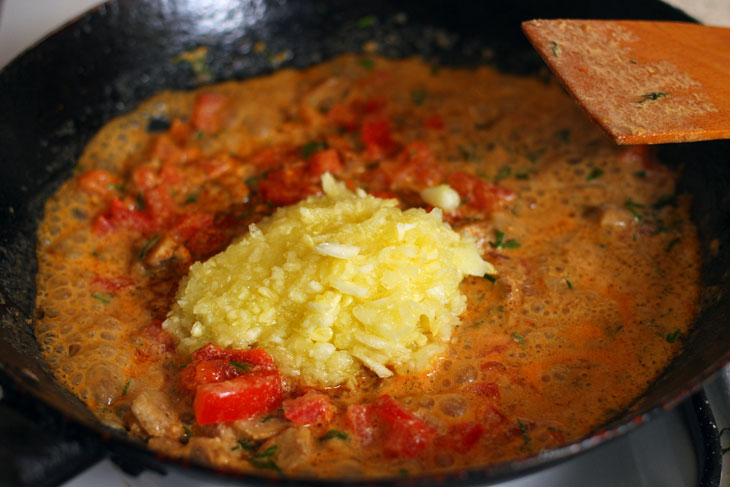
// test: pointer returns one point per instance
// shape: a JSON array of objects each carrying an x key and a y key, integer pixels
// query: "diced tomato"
[
  {"x": 287, "y": 186},
  {"x": 118, "y": 215},
  {"x": 377, "y": 139},
  {"x": 404, "y": 433},
  {"x": 156, "y": 341},
  {"x": 272, "y": 157},
  {"x": 208, "y": 112},
  {"x": 359, "y": 418},
  {"x": 218, "y": 166},
  {"x": 323, "y": 161},
  {"x": 207, "y": 371},
  {"x": 374, "y": 104},
  {"x": 313, "y": 407},
  {"x": 190, "y": 223},
  {"x": 414, "y": 168},
  {"x": 256, "y": 357},
  {"x": 112, "y": 284},
  {"x": 479, "y": 193},
  {"x": 145, "y": 177},
  {"x": 407, "y": 438},
  {"x": 170, "y": 174},
  {"x": 180, "y": 131},
  {"x": 434, "y": 122},
  {"x": 206, "y": 242},
  {"x": 165, "y": 150},
  {"x": 486, "y": 389},
  {"x": 98, "y": 182},
  {"x": 344, "y": 116},
  {"x": 239, "y": 398},
  {"x": 159, "y": 205},
  {"x": 384, "y": 195},
  {"x": 462, "y": 437}
]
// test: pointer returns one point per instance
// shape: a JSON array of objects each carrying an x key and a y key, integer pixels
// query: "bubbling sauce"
[{"x": 597, "y": 259}]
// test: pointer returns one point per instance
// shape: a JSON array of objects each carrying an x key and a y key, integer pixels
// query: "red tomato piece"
[
  {"x": 313, "y": 407},
  {"x": 479, "y": 193},
  {"x": 190, "y": 223},
  {"x": 377, "y": 138},
  {"x": 98, "y": 182},
  {"x": 407, "y": 438},
  {"x": 239, "y": 398},
  {"x": 159, "y": 205},
  {"x": 208, "y": 112},
  {"x": 434, "y": 122},
  {"x": 344, "y": 116},
  {"x": 165, "y": 150},
  {"x": 287, "y": 186},
  {"x": 462, "y": 437},
  {"x": 118, "y": 215},
  {"x": 360, "y": 420},
  {"x": 324, "y": 161},
  {"x": 272, "y": 157},
  {"x": 390, "y": 410},
  {"x": 145, "y": 177},
  {"x": 156, "y": 341}
]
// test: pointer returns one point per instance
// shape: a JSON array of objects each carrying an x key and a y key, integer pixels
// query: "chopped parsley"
[
  {"x": 192, "y": 198},
  {"x": 466, "y": 153},
  {"x": 672, "y": 337},
  {"x": 333, "y": 434},
  {"x": 518, "y": 338},
  {"x": 241, "y": 365},
  {"x": 564, "y": 135},
  {"x": 418, "y": 96},
  {"x": 264, "y": 460},
  {"x": 654, "y": 95},
  {"x": 489, "y": 278},
  {"x": 504, "y": 172},
  {"x": 501, "y": 243},
  {"x": 126, "y": 387},
  {"x": 198, "y": 135},
  {"x": 595, "y": 173},
  {"x": 187, "y": 432},
  {"x": 666, "y": 200},
  {"x": 367, "y": 21},
  {"x": 267, "y": 418},
  {"x": 631, "y": 206},
  {"x": 248, "y": 445},
  {"x": 139, "y": 202},
  {"x": 555, "y": 48},
  {"x": 640, "y": 174},
  {"x": 312, "y": 148},
  {"x": 367, "y": 63},
  {"x": 158, "y": 124},
  {"x": 570, "y": 286},
  {"x": 403, "y": 473},
  {"x": 525, "y": 435},
  {"x": 672, "y": 243},
  {"x": 117, "y": 187},
  {"x": 148, "y": 246},
  {"x": 105, "y": 298}
]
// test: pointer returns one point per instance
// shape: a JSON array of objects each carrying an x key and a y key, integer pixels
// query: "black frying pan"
[{"x": 55, "y": 96}]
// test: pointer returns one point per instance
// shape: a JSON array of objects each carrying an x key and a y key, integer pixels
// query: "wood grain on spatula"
[{"x": 644, "y": 82}]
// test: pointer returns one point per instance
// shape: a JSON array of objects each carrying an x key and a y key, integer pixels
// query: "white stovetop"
[{"x": 628, "y": 461}]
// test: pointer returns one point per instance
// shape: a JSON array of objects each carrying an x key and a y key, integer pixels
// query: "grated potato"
[{"x": 331, "y": 284}]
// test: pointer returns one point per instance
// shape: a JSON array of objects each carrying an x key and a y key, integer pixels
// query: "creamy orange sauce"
[{"x": 598, "y": 260}]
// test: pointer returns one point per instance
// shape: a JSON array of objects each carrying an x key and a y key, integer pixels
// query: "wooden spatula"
[{"x": 643, "y": 82}]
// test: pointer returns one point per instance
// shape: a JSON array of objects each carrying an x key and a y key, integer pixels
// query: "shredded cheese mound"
[{"x": 331, "y": 284}]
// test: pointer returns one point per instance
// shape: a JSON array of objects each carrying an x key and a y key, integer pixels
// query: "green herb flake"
[
  {"x": 640, "y": 174},
  {"x": 555, "y": 48},
  {"x": 418, "y": 96},
  {"x": 148, "y": 246},
  {"x": 117, "y": 187},
  {"x": 126, "y": 387},
  {"x": 245, "y": 367},
  {"x": 198, "y": 134},
  {"x": 633, "y": 61},
  {"x": 595, "y": 173},
  {"x": 654, "y": 95},
  {"x": 365, "y": 22},
  {"x": 518, "y": 338},
  {"x": 504, "y": 172},
  {"x": 570, "y": 286},
  {"x": 235, "y": 447},
  {"x": 672, "y": 244},
  {"x": 105, "y": 298},
  {"x": 312, "y": 148},
  {"x": 192, "y": 198},
  {"x": 631, "y": 206},
  {"x": 672, "y": 337},
  {"x": 501, "y": 243},
  {"x": 534, "y": 155},
  {"x": 267, "y": 418},
  {"x": 525, "y": 435},
  {"x": 139, "y": 202},
  {"x": 187, "y": 432},
  {"x": 197, "y": 59},
  {"x": 466, "y": 153},
  {"x": 248, "y": 445},
  {"x": 367, "y": 63},
  {"x": 665, "y": 200},
  {"x": 489, "y": 278},
  {"x": 333, "y": 434},
  {"x": 564, "y": 135},
  {"x": 403, "y": 473},
  {"x": 522, "y": 175}
]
